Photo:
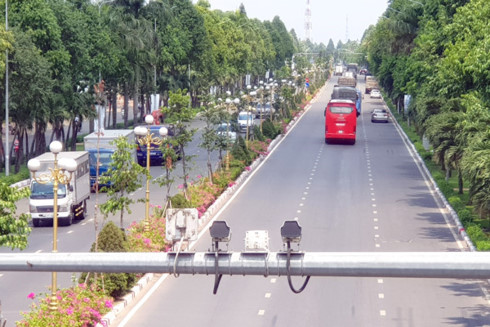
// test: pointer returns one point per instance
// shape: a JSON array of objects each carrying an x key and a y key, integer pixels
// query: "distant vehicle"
[
  {"x": 363, "y": 71},
  {"x": 339, "y": 70},
  {"x": 72, "y": 198},
  {"x": 263, "y": 112},
  {"x": 156, "y": 154},
  {"x": 102, "y": 146},
  {"x": 245, "y": 120},
  {"x": 371, "y": 84},
  {"x": 348, "y": 93},
  {"x": 379, "y": 115},
  {"x": 353, "y": 67},
  {"x": 225, "y": 129},
  {"x": 340, "y": 121},
  {"x": 347, "y": 81},
  {"x": 375, "y": 94}
]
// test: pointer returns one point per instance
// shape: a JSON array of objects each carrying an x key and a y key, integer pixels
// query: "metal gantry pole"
[{"x": 473, "y": 265}]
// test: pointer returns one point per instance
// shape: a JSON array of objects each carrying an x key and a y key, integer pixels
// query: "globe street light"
[
  {"x": 146, "y": 138},
  {"x": 56, "y": 175}
]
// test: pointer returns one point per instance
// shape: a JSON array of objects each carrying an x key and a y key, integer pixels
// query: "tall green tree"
[
  {"x": 179, "y": 113},
  {"x": 124, "y": 177}
]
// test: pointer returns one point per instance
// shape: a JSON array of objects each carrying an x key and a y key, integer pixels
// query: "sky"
[{"x": 331, "y": 19}]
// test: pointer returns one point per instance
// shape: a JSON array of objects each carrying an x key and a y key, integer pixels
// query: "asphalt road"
[
  {"x": 15, "y": 286},
  {"x": 368, "y": 197}
]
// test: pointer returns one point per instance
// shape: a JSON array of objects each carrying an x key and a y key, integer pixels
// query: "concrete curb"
[{"x": 21, "y": 184}]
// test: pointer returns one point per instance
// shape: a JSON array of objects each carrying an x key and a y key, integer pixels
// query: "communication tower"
[
  {"x": 346, "y": 29},
  {"x": 308, "y": 26}
]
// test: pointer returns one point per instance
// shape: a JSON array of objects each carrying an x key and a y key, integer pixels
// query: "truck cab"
[{"x": 71, "y": 198}]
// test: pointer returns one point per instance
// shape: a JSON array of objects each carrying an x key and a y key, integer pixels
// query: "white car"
[
  {"x": 245, "y": 119},
  {"x": 224, "y": 129},
  {"x": 379, "y": 115},
  {"x": 375, "y": 94}
]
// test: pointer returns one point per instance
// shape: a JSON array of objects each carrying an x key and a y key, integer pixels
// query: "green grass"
[{"x": 13, "y": 178}]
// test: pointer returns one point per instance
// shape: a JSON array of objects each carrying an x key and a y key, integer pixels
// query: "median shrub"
[
  {"x": 269, "y": 130},
  {"x": 240, "y": 151},
  {"x": 111, "y": 239}
]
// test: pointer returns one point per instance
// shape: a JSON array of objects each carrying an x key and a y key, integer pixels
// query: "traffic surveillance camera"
[
  {"x": 291, "y": 232},
  {"x": 220, "y": 231}
]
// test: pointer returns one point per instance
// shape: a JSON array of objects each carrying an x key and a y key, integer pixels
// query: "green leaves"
[
  {"x": 13, "y": 230},
  {"x": 124, "y": 176}
]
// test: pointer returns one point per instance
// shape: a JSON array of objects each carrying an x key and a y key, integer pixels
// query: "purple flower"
[
  {"x": 69, "y": 311},
  {"x": 31, "y": 296},
  {"x": 108, "y": 304}
]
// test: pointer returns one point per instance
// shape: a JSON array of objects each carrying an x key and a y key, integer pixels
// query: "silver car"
[{"x": 379, "y": 115}]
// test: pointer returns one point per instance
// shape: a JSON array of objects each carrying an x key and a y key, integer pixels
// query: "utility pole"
[{"x": 7, "y": 131}]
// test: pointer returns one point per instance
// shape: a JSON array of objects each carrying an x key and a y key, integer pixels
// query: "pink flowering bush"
[
  {"x": 259, "y": 147},
  {"x": 203, "y": 194},
  {"x": 152, "y": 240},
  {"x": 78, "y": 306}
]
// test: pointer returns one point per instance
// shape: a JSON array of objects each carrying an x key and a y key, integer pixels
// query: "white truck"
[
  {"x": 339, "y": 70},
  {"x": 106, "y": 148},
  {"x": 72, "y": 198}
]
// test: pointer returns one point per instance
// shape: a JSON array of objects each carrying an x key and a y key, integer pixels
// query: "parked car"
[
  {"x": 379, "y": 115},
  {"x": 265, "y": 111},
  {"x": 245, "y": 119},
  {"x": 225, "y": 129},
  {"x": 375, "y": 94}
]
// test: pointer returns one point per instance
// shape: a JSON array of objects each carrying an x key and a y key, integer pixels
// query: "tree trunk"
[
  {"x": 460, "y": 181},
  {"x": 39, "y": 139},
  {"x": 126, "y": 105},
  {"x": 19, "y": 151},
  {"x": 113, "y": 98}
]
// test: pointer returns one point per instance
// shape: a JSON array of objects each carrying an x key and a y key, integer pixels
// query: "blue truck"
[{"x": 101, "y": 147}]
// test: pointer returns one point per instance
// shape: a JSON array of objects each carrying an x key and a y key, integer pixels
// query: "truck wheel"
[
  {"x": 36, "y": 222},
  {"x": 66, "y": 221}
]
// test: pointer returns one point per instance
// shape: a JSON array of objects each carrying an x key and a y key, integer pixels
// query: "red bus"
[{"x": 340, "y": 121}]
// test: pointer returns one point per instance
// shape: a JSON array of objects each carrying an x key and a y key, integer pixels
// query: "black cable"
[
  {"x": 288, "y": 267},
  {"x": 217, "y": 277}
]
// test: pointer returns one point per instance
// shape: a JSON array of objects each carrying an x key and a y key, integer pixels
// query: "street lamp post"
[
  {"x": 56, "y": 175},
  {"x": 249, "y": 100},
  {"x": 228, "y": 102},
  {"x": 146, "y": 138}
]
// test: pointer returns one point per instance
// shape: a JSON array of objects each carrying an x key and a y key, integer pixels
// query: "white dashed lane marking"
[{"x": 370, "y": 176}]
